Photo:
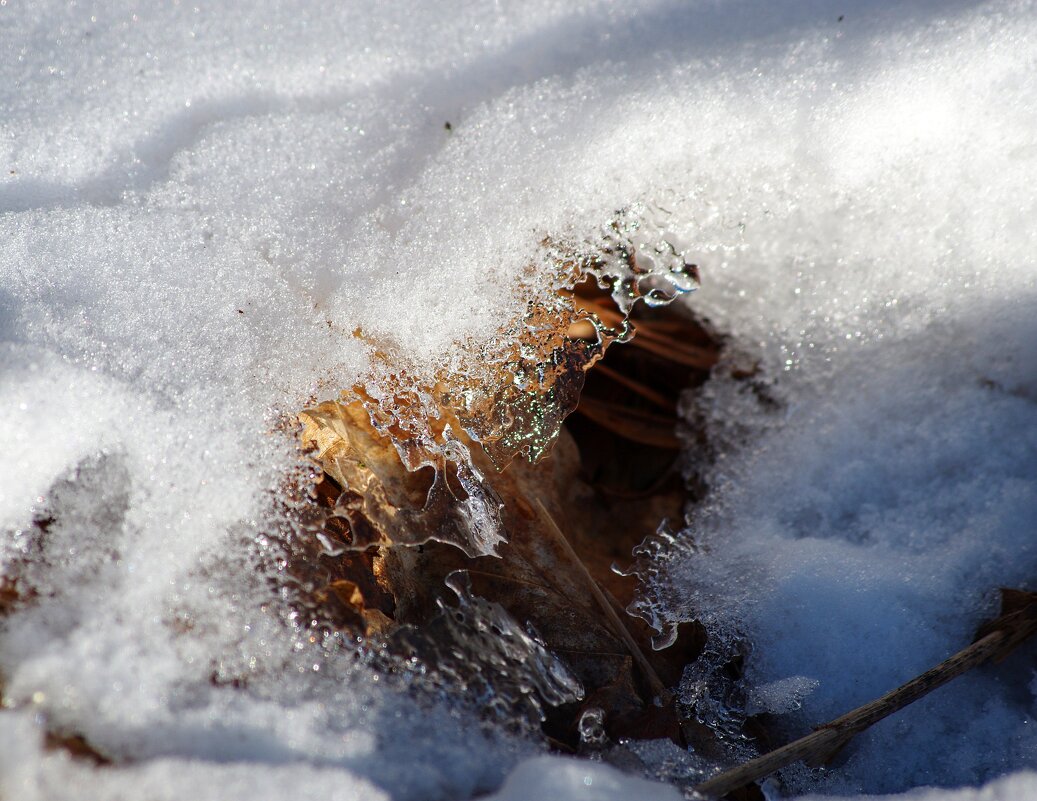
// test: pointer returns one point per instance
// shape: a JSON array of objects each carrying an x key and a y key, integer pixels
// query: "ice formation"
[
  {"x": 211, "y": 216},
  {"x": 510, "y": 394}
]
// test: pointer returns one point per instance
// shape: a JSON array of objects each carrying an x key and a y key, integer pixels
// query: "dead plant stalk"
[{"x": 818, "y": 747}]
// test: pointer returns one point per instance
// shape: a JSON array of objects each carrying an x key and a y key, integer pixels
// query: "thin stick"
[
  {"x": 632, "y": 424},
  {"x": 658, "y": 688},
  {"x": 688, "y": 355},
  {"x": 645, "y": 392},
  {"x": 822, "y": 744},
  {"x": 660, "y": 344}
]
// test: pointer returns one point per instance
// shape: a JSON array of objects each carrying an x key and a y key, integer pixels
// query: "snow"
[
  {"x": 30, "y": 773},
  {"x": 199, "y": 206},
  {"x": 554, "y": 777},
  {"x": 1022, "y": 785}
]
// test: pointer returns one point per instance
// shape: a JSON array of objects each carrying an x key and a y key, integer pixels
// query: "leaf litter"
[{"x": 466, "y": 529}]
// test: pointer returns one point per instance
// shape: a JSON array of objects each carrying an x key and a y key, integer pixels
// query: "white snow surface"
[
  {"x": 579, "y": 780},
  {"x": 1018, "y": 787},
  {"x": 199, "y": 205}
]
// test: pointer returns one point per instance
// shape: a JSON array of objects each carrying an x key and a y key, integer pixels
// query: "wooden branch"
[{"x": 1017, "y": 623}]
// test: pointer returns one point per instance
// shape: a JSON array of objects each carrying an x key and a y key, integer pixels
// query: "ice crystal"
[{"x": 512, "y": 394}]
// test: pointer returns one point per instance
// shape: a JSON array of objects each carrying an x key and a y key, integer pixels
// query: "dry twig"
[
  {"x": 620, "y": 630},
  {"x": 997, "y": 639}
]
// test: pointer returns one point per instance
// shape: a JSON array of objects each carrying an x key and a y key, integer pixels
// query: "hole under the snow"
[{"x": 535, "y": 629}]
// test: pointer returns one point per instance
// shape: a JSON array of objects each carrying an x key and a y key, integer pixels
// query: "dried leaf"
[
  {"x": 384, "y": 502},
  {"x": 527, "y": 545}
]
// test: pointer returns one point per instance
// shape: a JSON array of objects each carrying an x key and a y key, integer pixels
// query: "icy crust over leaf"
[
  {"x": 710, "y": 692},
  {"x": 383, "y": 506},
  {"x": 512, "y": 393},
  {"x": 473, "y": 650},
  {"x": 478, "y": 650},
  {"x": 650, "y": 559},
  {"x": 713, "y": 697}
]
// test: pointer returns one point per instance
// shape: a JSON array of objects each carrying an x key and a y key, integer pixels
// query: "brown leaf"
[
  {"x": 385, "y": 503},
  {"x": 554, "y": 536}
]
